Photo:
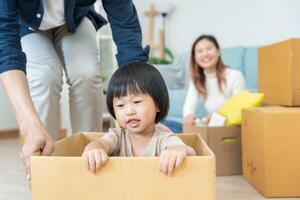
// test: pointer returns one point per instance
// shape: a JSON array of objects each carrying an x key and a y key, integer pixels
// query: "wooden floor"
[{"x": 13, "y": 184}]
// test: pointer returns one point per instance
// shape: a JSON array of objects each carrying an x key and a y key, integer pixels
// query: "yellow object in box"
[
  {"x": 232, "y": 108},
  {"x": 271, "y": 150},
  {"x": 279, "y": 73},
  {"x": 63, "y": 176}
]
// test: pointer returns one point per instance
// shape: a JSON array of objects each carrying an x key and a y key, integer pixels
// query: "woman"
[{"x": 212, "y": 82}]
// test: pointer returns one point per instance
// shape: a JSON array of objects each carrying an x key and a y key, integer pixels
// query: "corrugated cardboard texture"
[
  {"x": 225, "y": 142},
  {"x": 62, "y": 177},
  {"x": 271, "y": 150},
  {"x": 279, "y": 73}
]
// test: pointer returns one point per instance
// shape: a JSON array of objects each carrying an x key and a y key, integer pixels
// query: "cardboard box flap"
[
  {"x": 91, "y": 136},
  {"x": 75, "y": 144},
  {"x": 196, "y": 142},
  {"x": 70, "y": 146}
]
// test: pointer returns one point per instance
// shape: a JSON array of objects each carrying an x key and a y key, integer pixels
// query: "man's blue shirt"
[{"x": 21, "y": 17}]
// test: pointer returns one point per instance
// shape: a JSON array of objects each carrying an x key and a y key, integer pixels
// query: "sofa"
[{"x": 177, "y": 77}]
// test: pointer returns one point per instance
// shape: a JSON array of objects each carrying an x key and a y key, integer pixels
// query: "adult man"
[{"x": 59, "y": 35}]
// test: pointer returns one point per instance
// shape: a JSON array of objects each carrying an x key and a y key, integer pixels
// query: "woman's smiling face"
[{"x": 206, "y": 55}]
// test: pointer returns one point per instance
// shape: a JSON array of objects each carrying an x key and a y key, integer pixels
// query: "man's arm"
[
  {"x": 11, "y": 55},
  {"x": 36, "y": 138},
  {"x": 12, "y": 76},
  {"x": 126, "y": 31}
]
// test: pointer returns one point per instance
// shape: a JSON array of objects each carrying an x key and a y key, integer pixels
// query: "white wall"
[
  {"x": 233, "y": 22},
  {"x": 7, "y": 120}
]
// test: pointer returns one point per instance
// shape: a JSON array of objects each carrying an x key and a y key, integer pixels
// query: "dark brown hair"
[{"x": 197, "y": 72}]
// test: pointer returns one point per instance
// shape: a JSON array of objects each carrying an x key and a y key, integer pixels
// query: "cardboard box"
[
  {"x": 279, "y": 73},
  {"x": 225, "y": 142},
  {"x": 63, "y": 176},
  {"x": 271, "y": 150}
]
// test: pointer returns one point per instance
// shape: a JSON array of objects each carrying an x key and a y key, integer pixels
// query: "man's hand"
[{"x": 36, "y": 140}]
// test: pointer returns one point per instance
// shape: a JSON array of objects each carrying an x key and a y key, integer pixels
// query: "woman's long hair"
[{"x": 197, "y": 71}]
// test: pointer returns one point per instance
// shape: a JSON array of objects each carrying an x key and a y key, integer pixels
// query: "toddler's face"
[{"x": 135, "y": 112}]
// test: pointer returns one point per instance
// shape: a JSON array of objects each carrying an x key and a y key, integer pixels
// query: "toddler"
[{"x": 137, "y": 97}]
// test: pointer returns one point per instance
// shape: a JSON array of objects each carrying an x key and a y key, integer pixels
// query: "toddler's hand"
[
  {"x": 170, "y": 159},
  {"x": 94, "y": 159}
]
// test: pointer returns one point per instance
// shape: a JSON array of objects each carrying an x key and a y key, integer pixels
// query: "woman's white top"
[
  {"x": 54, "y": 14},
  {"x": 235, "y": 83}
]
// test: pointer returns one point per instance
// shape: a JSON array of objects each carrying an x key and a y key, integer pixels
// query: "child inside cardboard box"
[{"x": 137, "y": 98}]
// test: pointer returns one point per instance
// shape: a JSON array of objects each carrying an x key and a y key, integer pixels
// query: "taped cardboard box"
[
  {"x": 63, "y": 176},
  {"x": 271, "y": 150},
  {"x": 279, "y": 73},
  {"x": 225, "y": 142}
]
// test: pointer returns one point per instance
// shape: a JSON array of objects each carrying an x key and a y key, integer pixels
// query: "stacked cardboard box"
[
  {"x": 63, "y": 176},
  {"x": 271, "y": 135},
  {"x": 279, "y": 73},
  {"x": 225, "y": 142},
  {"x": 271, "y": 150}
]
